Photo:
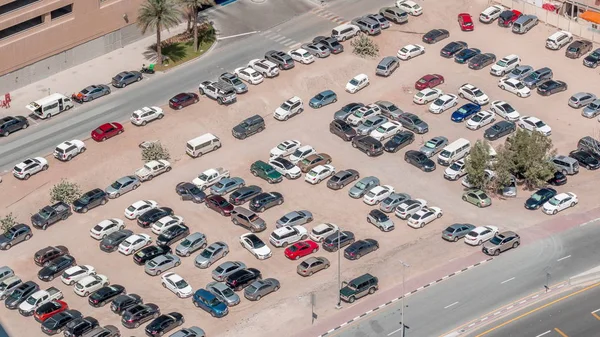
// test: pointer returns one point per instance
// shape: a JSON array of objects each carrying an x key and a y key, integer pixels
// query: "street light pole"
[
  {"x": 404, "y": 266},
  {"x": 339, "y": 303}
]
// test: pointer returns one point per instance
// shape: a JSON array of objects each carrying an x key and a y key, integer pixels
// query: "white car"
[
  {"x": 362, "y": 113},
  {"x": 264, "y": 67},
  {"x": 256, "y": 246},
  {"x": 409, "y": 51},
  {"x": 491, "y": 13},
  {"x": 456, "y": 170},
  {"x": 320, "y": 232},
  {"x": 560, "y": 202},
  {"x": 301, "y": 153},
  {"x": 138, "y": 208},
  {"x": 318, "y": 173},
  {"x": 65, "y": 151},
  {"x": 285, "y": 148},
  {"x": 427, "y": 95},
  {"x": 409, "y": 207},
  {"x": 514, "y": 86},
  {"x": 134, "y": 243},
  {"x": 443, "y": 103},
  {"x": 89, "y": 284},
  {"x": 424, "y": 216},
  {"x": 488, "y": 175},
  {"x": 105, "y": 227},
  {"x": 291, "y": 107},
  {"x": 482, "y": 118},
  {"x": 153, "y": 168},
  {"x": 165, "y": 223},
  {"x": 480, "y": 235},
  {"x": 249, "y": 75},
  {"x": 76, "y": 273},
  {"x": 285, "y": 167},
  {"x": 357, "y": 83},
  {"x": 386, "y": 130},
  {"x": 410, "y": 7},
  {"x": 302, "y": 56},
  {"x": 29, "y": 167},
  {"x": 505, "y": 110},
  {"x": 531, "y": 124},
  {"x": 378, "y": 194},
  {"x": 473, "y": 94},
  {"x": 281, "y": 237},
  {"x": 176, "y": 284},
  {"x": 145, "y": 115}
]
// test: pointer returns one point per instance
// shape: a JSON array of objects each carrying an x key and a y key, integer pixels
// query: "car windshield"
[
  {"x": 430, "y": 145},
  {"x": 404, "y": 50},
  {"x": 207, "y": 254},
  {"x": 44, "y": 213},
  {"x": 422, "y": 81},
  {"x": 554, "y": 202},
  {"x": 497, "y": 127},
  {"x": 370, "y": 194},
  {"x": 285, "y": 107},
  {"x": 595, "y": 55},
  {"x": 203, "y": 177},
  {"x": 227, "y": 292},
  {"x": 381, "y": 67},
  {"x": 319, "y": 97},
  {"x": 354, "y": 81},
  {"x": 368, "y": 122},
  {"x": 496, "y": 240},
  {"x": 360, "y": 185},
  {"x": 251, "y": 288},
  {"x": 257, "y": 243},
  {"x": 186, "y": 243},
  {"x": 477, "y": 118},
  {"x": 116, "y": 185},
  {"x": 507, "y": 108},
  {"x": 501, "y": 63},
  {"x": 98, "y": 131},
  {"x": 298, "y": 153},
  {"x": 282, "y": 147},
  {"x": 455, "y": 167},
  {"x": 219, "y": 184},
  {"x": 438, "y": 102},
  {"x": 478, "y": 93},
  {"x": 307, "y": 54},
  {"x": 540, "y": 124},
  {"x": 181, "y": 284},
  {"x": 381, "y": 129},
  {"x": 462, "y": 111},
  {"x": 573, "y": 49},
  {"x": 537, "y": 197},
  {"x": 31, "y": 300},
  {"x": 519, "y": 85},
  {"x": 293, "y": 249},
  {"x": 594, "y": 106}
]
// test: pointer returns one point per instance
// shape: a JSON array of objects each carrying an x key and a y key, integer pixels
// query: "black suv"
[
  {"x": 56, "y": 323},
  {"x": 173, "y": 234},
  {"x": 164, "y": 324},
  {"x": 89, "y": 200},
  {"x": 593, "y": 59},
  {"x": 147, "y": 219},
  {"x": 56, "y": 267},
  {"x": 139, "y": 314},
  {"x": 248, "y": 127},
  {"x": 244, "y": 194},
  {"x": 124, "y": 302},
  {"x": 111, "y": 243},
  {"x": 330, "y": 243},
  {"x": 367, "y": 144},
  {"x": 43, "y": 256},
  {"x": 243, "y": 278},
  {"x": 452, "y": 48},
  {"x": 342, "y": 129},
  {"x": 80, "y": 326},
  {"x": 265, "y": 200},
  {"x": 101, "y": 296},
  {"x": 11, "y": 124},
  {"x": 148, "y": 253}
]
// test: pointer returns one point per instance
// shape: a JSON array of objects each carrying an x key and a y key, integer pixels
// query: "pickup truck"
[
  {"x": 49, "y": 215},
  {"x": 153, "y": 168},
  {"x": 37, "y": 299},
  {"x": 210, "y": 177}
]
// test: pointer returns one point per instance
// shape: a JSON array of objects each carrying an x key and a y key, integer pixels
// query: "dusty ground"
[{"x": 422, "y": 249}]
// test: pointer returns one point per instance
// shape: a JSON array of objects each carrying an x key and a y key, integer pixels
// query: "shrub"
[
  {"x": 7, "y": 222},
  {"x": 155, "y": 151},
  {"x": 65, "y": 191},
  {"x": 364, "y": 46}
]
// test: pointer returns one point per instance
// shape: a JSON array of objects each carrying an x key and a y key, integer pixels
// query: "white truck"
[
  {"x": 153, "y": 168},
  {"x": 210, "y": 177},
  {"x": 38, "y": 298}
]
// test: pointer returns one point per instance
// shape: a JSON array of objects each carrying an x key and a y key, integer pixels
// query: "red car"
[
  {"x": 219, "y": 204},
  {"x": 49, "y": 309},
  {"x": 301, "y": 249},
  {"x": 466, "y": 22},
  {"x": 106, "y": 131},
  {"x": 182, "y": 100},
  {"x": 429, "y": 81},
  {"x": 508, "y": 17}
]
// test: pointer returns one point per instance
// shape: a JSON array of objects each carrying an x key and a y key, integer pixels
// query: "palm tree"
[
  {"x": 193, "y": 5},
  {"x": 158, "y": 14}
]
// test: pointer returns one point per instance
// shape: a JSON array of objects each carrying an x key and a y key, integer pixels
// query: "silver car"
[
  {"x": 363, "y": 186},
  {"x": 380, "y": 220},
  {"x": 225, "y": 269},
  {"x": 581, "y": 99},
  {"x": 389, "y": 204},
  {"x": 227, "y": 185},
  {"x": 317, "y": 49},
  {"x": 223, "y": 293},
  {"x": 211, "y": 254},
  {"x": 122, "y": 186},
  {"x": 190, "y": 244},
  {"x": 434, "y": 145},
  {"x": 520, "y": 72},
  {"x": 383, "y": 22},
  {"x": 295, "y": 218},
  {"x": 389, "y": 109},
  {"x": 260, "y": 288},
  {"x": 234, "y": 81},
  {"x": 413, "y": 123},
  {"x": 161, "y": 263},
  {"x": 370, "y": 124},
  {"x": 592, "y": 110},
  {"x": 92, "y": 92},
  {"x": 192, "y": 331}
]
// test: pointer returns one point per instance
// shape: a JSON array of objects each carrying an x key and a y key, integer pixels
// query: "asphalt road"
[
  {"x": 462, "y": 298},
  {"x": 284, "y": 31}
]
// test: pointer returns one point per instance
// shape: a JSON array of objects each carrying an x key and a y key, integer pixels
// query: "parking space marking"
[
  {"x": 294, "y": 46},
  {"x": 327, "y": 15},
  {"x": 563, "y": 258},
  {"x": 560, "y": 332},
  {"x": 393, "y": 332},
  {"x": 280, "y": 38},
  {"x": 545, "y": 333},
  {"x": 505, "y": 281},
  {"x": 594, "y": 313},
  {"x": 451, "y": 305}
]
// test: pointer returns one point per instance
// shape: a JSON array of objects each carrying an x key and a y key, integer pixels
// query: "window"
[
  {"x": 57, "y": 13},
  {"x": 23, "y": 26},
  {"x": 15, "y": 5}
]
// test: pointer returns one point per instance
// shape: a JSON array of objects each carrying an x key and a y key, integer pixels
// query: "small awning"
[{"x": 591, "y": 16}]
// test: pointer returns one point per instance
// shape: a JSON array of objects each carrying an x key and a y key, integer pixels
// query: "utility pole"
[
  {"x": 403, "y": 322},
  {"x": 339, "y": 303}
]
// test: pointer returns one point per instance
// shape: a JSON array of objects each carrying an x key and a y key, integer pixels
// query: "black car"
[
  {"x": 558, "y": 179},
  {"x": 189, "y": 191},
  {"x": 139, "y": 314},
  {"x": 338, "y": 240},
  {"x": 331, "y": 43},
  {"x": 105, "y": 294},
  {"x": 593, "y": 59},
  {"x": 419, "y": 160},
  {"x": 578, "y": 48},
  {"x": 173, "y": 234},
  {"x": 10, "y": 124},
  {"x": 89, "y": 200},
  {"x": 539, "y": 198},
  {"x": 56, "y": 267},
  {"x": 80, "y": 326},
  {"x": 360, "y": 248},
  {"x": 111, "y": 243},
  {"x": 465, "y": 55},
  {"x": 147, "y": 219},
  {"x": 398, "y": 141},
  {"x": 346, "y": 111},
  {"x": 56, "y": 323},
  {"x": 15, "y": 235},
  {"x": 342, "y": 129},
  {"x": 452, "y": 48},
  {"x": 481, "y": 61},
  {"x": 499, "y": 130},
  {"x": 265, "y": 200},
  {"x": 20, "y": 294},
  {"x": 551, "y": 87},
  {"x": 124, "y": 302},
  {"x": 585, "y": 159},
  {"x": 148, "y": 253},
  {"x": 242, "y": 278},
  {"x": 435, "y": 35},
  {"x": 164, "y": 323},
  {"x": 242, "y": 195}
]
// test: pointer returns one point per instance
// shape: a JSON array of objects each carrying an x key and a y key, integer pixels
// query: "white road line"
[
  {"x": 522, "y": 302},
  {"x": 595, "y": 311},
  {"x": 450, "y": 305},
  {"x": 393, "y": 332},
  {"x": 545, "y": 333},
  {"x": 264, "y": 32},
  {"x": 279, "y": 39},
  {"x": 272, "y": 36},
  {"x": 563, "y": 258},
  {"x": 510, "y": 279},
  {"x": 294, "y": 46},
  {"x": 285, "y": 41},
  {"x": 291, "y": 43},
  {"x": 589, "y": 222},
  {"x": 237, "y": 35}
]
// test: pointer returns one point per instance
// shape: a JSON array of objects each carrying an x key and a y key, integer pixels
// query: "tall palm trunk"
[
  {"x": 188, "y": 15},
  {"x": 195, "y": 13},
  {"x": 158, "y": 45}
]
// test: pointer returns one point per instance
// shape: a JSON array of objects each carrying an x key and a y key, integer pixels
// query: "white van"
[
  {"x": 202, "y": 145},
  {"x": 50, "y": 106},
  {"x": 559, "y": 40},
  {"x": 345, "y": 32},
  {"x": 453, "y": 152}
]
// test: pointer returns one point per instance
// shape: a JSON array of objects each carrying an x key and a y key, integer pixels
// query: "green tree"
[
  {"x": 155, "y": 151},
  {"x": 364, "y": 46},
  {"x": 193, "y": 6},
  {"x": 158, "y": 15},
  {"x": 65, "y": 191},
  {"x": 7, "y": 222},
  {"x": 476, "y": 164},
  {"x": 504, "y": 168}
]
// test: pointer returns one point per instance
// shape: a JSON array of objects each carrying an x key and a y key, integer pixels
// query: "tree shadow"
[{"x": 170, "y": 51}]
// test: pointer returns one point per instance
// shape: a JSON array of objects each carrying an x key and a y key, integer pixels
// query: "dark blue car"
[
  {"x": 465, "y": 112},
  {"x": 208, "y": 302},
  {"x": 322, "y": 99},
  {"x": 465, "y": 55}
]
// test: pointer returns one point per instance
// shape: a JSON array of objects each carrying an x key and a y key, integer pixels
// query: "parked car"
[
  {"x": 177, "y": 285},
  {"x": 323, "y": 98},
  {"x": 111, "y": 243},
  {"x": 409, "y": 207},
  {"x": 29, "y": 167},
  {"x": 107, "y": 131},
  {"x": 139, "y": 314},
  {"x": 209, "y": 302},
  {"x": 43, "y": 256},
  {"x": 87, "y": 285},
  {"x": 125, "y": 78},
  {"x": 457, "y": 231},
  {"x": 321, "y": 231},
  {"x": 56, "y": 267},
  {"x": 161, "y": 263},
  {"x": 551, "y": 87},
  {"x": 359, "y": 287},
  {"x": 380, "y": 220},
  {"x": 219, "y": 204},
  {"x": 80, "y": 326},
  {"x": 478, "y": 198},
  {"x": 283, "y": 60},
  {"x": 49, "y": 309},
  {"x": 419, "y": 160},
  {"x": 465, "y": 55},
  {"x": 394, "y": 14},
  {"x": 443, "y": 103},
  {"x": 145, "y": 115},
  {"x": 312, "y": 265},
  {"x": 255, "y": 246},
  {"x": 452, "y": 48},
  {"x": 465, "y": 22},
  {"x": 182, "y": 100},
  {"x": 435, "y": 36},
  {"x": 10, "y": 124},
  {"x": 508, "y": 17},
  {"x": 501, "y": 242},
  {"x": 424, "y": 216},
  {"x": 123, "y": 302},
  {"x": 540, "y": 197},
  {"x": 225, "y": 294},
  {"x": 225, "y": 269},
  {"x": 286, "y": 168},
  {"x": 149, "y": 217},
  {"x": 50, "y": 215},
  {"x": 189, "y": 191},
  {"x": 515, "y": 86},
  {"x": 399, "y": 141},
  {"x": 342, "y": 129},
  {"x": 491, "y": 13},
  {"x": 357, "y": 83},
  {"x": 578, "y": 48},
  {"x": 122, "y": 186},
  {"x": 59, "y": 321},
  {"x": 242, "y": 278},
  {"x": 317, "y": 50},
  {"x": 505, "y": 110},
  {"x": 191, "y": 243},
  {"x": 152, "y": 169},
  {"x": 134, "y": 243},
  {"x": 531, "y": 124},
  {"x": 244, "y": 194},
  {"x": 150, "y": 252},
  {"x": 585, "y": 159},
  {"x": 481, "y": 234},
  {"x": 15, "y": 235},
  {"x": 347, "y": 110},
  {"x": 319, "y": 173},
  {"x": 172, "y": 235},
  {"x": 342, "y": 178},
  {"x": 410, "y": 7},
  {"x": 291, "y": 107},
  {"x": 591, "y": 110},
  {"x": 429, "y": 81},
  {"x": 301, "y": 249},
  {"x": 266, "y": 200},
  {"x": 261, "y": 288},
  {"x": 409, "y": 51},
  {"x": 310, "y": 162},
  {"x": 481, "y": 61},
  {"x": 19, "y": 294},
  {"x": 499, "y": 130},
  {"x": 360, "y": 248},
  {"x": 104, "y": 295},
  {"x": 593, "y": 59},
  {"x": 138, "y": 208},
  {"x": 473, "y": 94},
  {"x": 337, "y": 240},
  {"x": 560, "y": 202},
  {"x": 248, "y": 127},
  {"x": 250, "y": 75},
  {"x": 377, "y": 194},
  {"x": 363, "y": 186},
  {"x": 521, "y": 72},
  {"x": 481, "y": 119},
  {"x": 226, "y": 185},
  {"x": 465, "y": 112},
  {"x": 233, "y": 81},
  {"x": 581, "y": 99},
  {"x": 295, "y": 218},
  {"x": 265, "y": 171},
  {"x": 302, "y": 56},
  {"x": 67, "y": 150}
]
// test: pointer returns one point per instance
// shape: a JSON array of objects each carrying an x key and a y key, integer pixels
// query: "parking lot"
[{"x": 422, "y": 248}]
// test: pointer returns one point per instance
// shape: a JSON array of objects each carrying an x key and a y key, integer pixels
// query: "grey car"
[
  {"x": 413, "y": 123},
  {"x": 192, "y": 331},
  {"x": 92, "y": 92},
  {"x": 363, "y": 186},
  {"x": 222, "y": 291},
  {"x": 161, "y": 263},
  {"x": 457, "y": 231},
  {"x": 261, "y": 288},
  {"x": 281, "y": 59},
  {"x": 537, "y": 77},
  {"x": 125, "y": 78},
  {"x": 434, "y": 145},
  {"x": 16, "y": 234},
  {"x": 122, "y": 186},
  {"x": 225, "y": 269},
  {"x": 330, "y": 42},
  {"x": 295, "y": 218},
  {"x": 370, "y": 124},
  {"x": 211, "y": 254},
  {"x": 189, "y": 191},
  {"x": 383, "y": 22},
  {"x": 190, "y": 244},
  {"x": 318, "y": 50},
  {"x": 501, "y": 242},
  {"x": 389, "y": 204},
  {"x": 227, "y": 185},
  {"x": 581, "y": 99},
  {"x": 234, "y": 81},
  {"x": 312, "y": 265},
  {"x": 347, "y": 110},
  {"x": 592, "y": 110},
  {"x": 380, "y": 220},
  {"x": 389, "y": 109},
  {"x": 342, "y": 178},
  {"x": 499, "y": 130},
  {"x": 520, "y": 72}
]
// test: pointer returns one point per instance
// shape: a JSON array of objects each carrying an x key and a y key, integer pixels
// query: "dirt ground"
[{"x": 423, "y": 249}]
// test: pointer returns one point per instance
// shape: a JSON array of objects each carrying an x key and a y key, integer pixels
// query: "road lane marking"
[
  {"x": 450, "y": 305},
  {"x": 560, "y": 332},
  {"x": 510, "y": 279},
  {"x": 237, "y": 35},
  {"x": 393, "y": 332},
  {"x": 563, "y": 258},
  {"x": 594, "y": 313},
  {"x": 545, "y": 333}
]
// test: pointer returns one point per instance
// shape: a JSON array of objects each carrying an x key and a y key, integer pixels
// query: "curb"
[
  {"x": 405, "y": 295},
  {"x": 194, "y": 59}
]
